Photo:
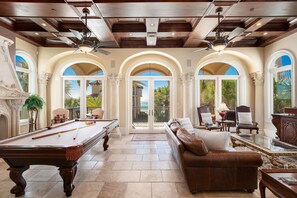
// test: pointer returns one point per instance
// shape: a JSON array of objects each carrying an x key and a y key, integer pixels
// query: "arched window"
[
  {"x": 281, "y": 73},
  {"x": 25, "y": 70},
  {"x": 218, "y": 83},
  {"x": 83, "y": 89}
]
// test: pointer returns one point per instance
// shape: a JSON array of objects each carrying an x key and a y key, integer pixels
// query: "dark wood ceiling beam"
[
  {"x": 175, "y": 27},
  {"x": 31, "y": 27},
  {"x": 128, "y": 27},
  {"x": 257, "y": 24},
  {"x": 141, "y": 43},
  {"x": 77, "y": 25},
  {"x": 230, "y": 26},
  {"x": 36, "y": 10},
  {"x": 52, "y": 28},
  {"x": 97, "y": 25},
  {"x": 264, "y": 41},
  {"x": 275, "y": 27}
]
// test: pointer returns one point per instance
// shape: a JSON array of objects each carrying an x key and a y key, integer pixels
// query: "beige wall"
[
  {"x": 251, "y": 60},
  {"x": 287, "y": 44},
  {"x": 55, "y": 60}
]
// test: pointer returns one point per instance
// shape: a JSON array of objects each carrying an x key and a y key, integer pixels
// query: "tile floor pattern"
[{"x": 128, "y": 169}]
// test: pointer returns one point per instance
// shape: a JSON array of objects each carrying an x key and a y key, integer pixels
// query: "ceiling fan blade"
[
  {"x": 201, "y": 49},
  {"x": 236, "y": 32},
  {"x": 55, "y": 40},
  {"x": 205, "y": 41},
  {"x": 106, "y": 44},
  {"x": 76, "y": 34},
  {"x": 102, "y": 51}
]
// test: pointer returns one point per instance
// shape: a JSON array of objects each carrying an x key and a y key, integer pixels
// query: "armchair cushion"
[
  {"x": 191, "y": 142},
  {"x": 214, "y": 140},
  {"x": 185, "y": 123},
  {"x": 245, "y": 118},
  {"x": 206, "y": 118}
]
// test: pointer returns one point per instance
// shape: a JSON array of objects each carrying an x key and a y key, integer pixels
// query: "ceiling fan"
[
  {"x": 85, "y": 43},
  {"x": 221, "y": 41}
]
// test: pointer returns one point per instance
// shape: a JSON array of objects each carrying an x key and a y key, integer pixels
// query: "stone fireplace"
[{"x": 11, "y": 94}]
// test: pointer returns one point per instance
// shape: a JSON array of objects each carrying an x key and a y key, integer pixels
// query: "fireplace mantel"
[{"x": 11, "y": 93}]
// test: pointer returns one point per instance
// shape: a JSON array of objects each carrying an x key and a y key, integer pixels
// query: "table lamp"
[{"x": 222, "y": 109}]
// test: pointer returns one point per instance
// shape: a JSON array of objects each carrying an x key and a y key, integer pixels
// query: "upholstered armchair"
[
  {"x": 60, "y": 115},
  {"x": 205, "y": 119},
  {"x": 244, "y": 119},
  {"x": 97, "y": 113}
]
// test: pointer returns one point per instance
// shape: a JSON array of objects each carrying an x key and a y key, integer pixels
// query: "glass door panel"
[
  {"x": 93, "y": 95},
  {"x": 140, "y": 104},
  {"x": 161, "y": 103},
  {"x": 229, "y": 93},
  {"x": 72, "y": 98},
  {"x": 207, "y": 94}
]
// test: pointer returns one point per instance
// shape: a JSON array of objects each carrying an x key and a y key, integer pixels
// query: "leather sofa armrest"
[
  {"x": 255, "y": 123},
  {"x": 223, "y": 159}
]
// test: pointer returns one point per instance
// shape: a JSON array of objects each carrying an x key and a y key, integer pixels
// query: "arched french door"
[
  {"x": 83, "y": 89},
  {"x": 150, "y": 98}
]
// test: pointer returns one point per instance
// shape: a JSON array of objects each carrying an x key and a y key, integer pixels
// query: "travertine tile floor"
[{"x": 129, "y": 169}]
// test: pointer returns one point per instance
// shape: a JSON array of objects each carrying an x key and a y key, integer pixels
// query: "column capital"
[
  {"x": 257, "y": 78},
  {"x": 115, "y": 79},
  {"x": 44, "y": 77},
  {"x": 186, "y": 77}
]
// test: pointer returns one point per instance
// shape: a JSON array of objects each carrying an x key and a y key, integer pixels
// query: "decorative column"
[
  {"x": 43, "y": 80},
  {"x": 115, "y": 80},
  {"x": 15, "y": 106},
  {"x": 258, "y": 80},
  {"x": 187, "y": 82}
]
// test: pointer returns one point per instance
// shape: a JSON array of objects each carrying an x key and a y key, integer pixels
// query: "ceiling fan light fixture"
[
  {"x": 219, "y": 47},
  {"x": 85, "y": 48}
]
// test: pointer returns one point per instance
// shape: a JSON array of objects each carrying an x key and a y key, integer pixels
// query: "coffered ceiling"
[{"x": 149, "y": 24}]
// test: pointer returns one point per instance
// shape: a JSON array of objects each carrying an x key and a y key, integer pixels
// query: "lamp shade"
[{"x": 223, "y": 107}]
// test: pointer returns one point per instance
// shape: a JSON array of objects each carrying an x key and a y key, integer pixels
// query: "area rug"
[
  {"x": 149, "y": 137},
  {"x": 286, "y": 161}
]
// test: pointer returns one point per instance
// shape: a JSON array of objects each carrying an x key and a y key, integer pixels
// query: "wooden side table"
[{"x": 271, "y": 179}]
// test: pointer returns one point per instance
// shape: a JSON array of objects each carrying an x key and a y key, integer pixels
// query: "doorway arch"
[
  {"x": 243, "y": 83},
  {"x": 127, "y": 70},
  {"x": 57, "y": 81}
]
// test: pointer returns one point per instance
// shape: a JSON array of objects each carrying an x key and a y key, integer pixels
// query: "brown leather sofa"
[{"x": 218, "y": 170}]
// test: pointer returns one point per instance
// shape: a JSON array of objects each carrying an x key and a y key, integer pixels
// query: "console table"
[{"x": 286, "y": 126}]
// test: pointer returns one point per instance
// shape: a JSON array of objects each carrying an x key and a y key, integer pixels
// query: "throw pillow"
[
  {"x": 214, "y": 140},
  {"x": 244, "y": 118},
  {"x": 191, "y": 142},
  {"x": 185, "y": 123},
  {"x": 206, "y": 118}
]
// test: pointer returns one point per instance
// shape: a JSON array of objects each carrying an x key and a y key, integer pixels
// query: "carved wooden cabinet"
[{"x": 286, "y": 126}]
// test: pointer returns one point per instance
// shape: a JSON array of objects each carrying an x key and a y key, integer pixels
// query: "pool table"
[{"x": 60, "y": 145}]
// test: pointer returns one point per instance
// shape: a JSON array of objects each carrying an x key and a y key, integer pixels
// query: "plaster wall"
[
  {"x": 287, "y": 44},
  {"x": 120, "y": 61}
]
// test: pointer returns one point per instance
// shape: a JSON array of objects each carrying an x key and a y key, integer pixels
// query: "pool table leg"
[
  {"x": 105, "y": 145},
  {"x": 16, "y": 175},
  {"x": 68, "y": 174}
]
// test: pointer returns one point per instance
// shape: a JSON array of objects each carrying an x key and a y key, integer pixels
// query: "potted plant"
[{"x": 33, "y": 104}]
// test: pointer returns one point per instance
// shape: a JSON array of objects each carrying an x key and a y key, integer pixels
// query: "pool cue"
[
  {"x": 76, "y": 134},
  {"x": 56, "y": 133}
]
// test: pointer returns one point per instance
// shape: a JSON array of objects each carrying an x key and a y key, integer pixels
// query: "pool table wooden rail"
[{"x": 20, "y": 157}]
